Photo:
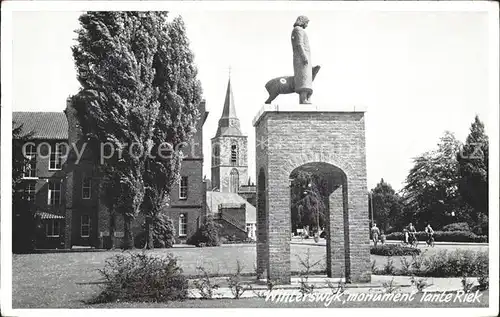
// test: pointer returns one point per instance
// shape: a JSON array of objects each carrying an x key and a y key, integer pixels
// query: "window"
[
  {"x": 183, "y": 188},
  {"x": 55, "y": 162},
  {"x": 234, "y": 184},
  {"x": 216, "y": 157},
  {"x": 234, "y": 154},
  {"x": 30, "y": 166},
  {"x": 182, "y": 225},
  {"x": 54, "y": 193},
  {"x": 86, "y": 187},
  {"x": 85, "y": 226},
  {"x": 52, "y": 228},
  {"x": 30, "y": 192}
]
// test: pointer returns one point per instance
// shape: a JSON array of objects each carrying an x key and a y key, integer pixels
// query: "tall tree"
[
  {"x": 473, "y": 170},
  {"x": 386, "y": 205},
  {"x": 118, "y": 104},
  {"x": 139, "y": 87},
  {"x": 179, "y": 97},
  {"x": 431, "y": 189}
]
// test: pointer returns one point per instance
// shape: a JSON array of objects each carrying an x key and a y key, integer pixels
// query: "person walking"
[{"x": 375, "y": 234}]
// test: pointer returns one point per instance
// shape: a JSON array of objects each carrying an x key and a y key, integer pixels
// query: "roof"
[
  {"x": 45, "y": 215},
  {"x": 214, "y": 199},
  {"x": 45, "y": 125},
  {"x": 229, "y": 124}
]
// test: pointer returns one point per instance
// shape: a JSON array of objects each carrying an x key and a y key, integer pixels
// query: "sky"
[{"x": 416, "y": 74}]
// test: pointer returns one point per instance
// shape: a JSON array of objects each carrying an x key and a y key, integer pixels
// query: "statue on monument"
[
  {"x": 304, "y": 73},
  {"x": 302, "y": 69}
]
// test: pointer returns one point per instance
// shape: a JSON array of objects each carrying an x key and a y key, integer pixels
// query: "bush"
[
  {"x": 207, "y": 234},
  {"x": 235, "y": 282},
  {"x": 443, "y": 236},
  {"x": 163, "y": 233},
  {"x": 457, "y": 226},
  {"x": 140, "y": 277},
  {"x": 484, "y": 282},
  {"x": 458, "y": 263},
  {"x": 393, "y": 250},
  {"x": 205, "y": 285},
  {"x": 482, "y": 227}
]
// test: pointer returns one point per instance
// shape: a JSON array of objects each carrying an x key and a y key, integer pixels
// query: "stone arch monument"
[
  {"x": 331, "y": 143},
  {"x": 326, "y": 142}
]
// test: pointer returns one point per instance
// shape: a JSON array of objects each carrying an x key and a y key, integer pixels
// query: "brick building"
[{"x": 64, "y": 190}]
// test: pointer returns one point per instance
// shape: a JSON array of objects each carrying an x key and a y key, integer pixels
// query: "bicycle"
[
  {"x": 430, "y": 241},
  {"x": 413, "y": 240}
]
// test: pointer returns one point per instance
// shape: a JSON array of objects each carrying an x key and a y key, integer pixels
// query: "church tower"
[{"x": 229, "y": 150}]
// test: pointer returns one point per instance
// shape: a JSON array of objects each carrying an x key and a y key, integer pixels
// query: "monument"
[{"x": 321, "y": 140}]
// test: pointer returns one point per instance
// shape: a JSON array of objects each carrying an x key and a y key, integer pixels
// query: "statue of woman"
[{"x": 302, "y": 68}]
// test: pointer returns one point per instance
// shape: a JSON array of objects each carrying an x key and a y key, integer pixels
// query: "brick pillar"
[
  {"x": 335, "y": 246},
  {"x": 357, "y": 220},
  {"x": 279, "y": 230},
  {"x": 262, "y": 211}
]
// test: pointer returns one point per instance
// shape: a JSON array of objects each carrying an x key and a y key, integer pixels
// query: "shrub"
[
  {"x": 482, "y": 226},
  {"x": 163, "y": 233},
  {"x": 484, "y": 282},
  {"x": 405, "y": 266},
  {"x": 393, "y": 250},
  {"x": 141, "y": 277},
  {"x": 444, "y": 236},
  {"x": 458, "y": 263},
  {"x": 417, "y": 262},
  {"x": 457, "y": 226},
  {"x": 389, "y": 268},
  {"x": 390, "y": 287},
  {"x": 205, "y": 285},
  {"x": 420, "y": 284},
  {"x": 207, "y": 234},
  {"x": 235, "y": 282},
  {"x": 307, "y": 265},
  {"x": 467, "y": 284},
  {"x": 374, "y": 267}
]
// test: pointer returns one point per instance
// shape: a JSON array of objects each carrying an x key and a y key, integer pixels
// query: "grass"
[{"x": 65, "y": 280}]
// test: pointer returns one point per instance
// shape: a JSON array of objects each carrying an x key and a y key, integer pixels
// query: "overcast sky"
[{"x": 416, "y": 73}]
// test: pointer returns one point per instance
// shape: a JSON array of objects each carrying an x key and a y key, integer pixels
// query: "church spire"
[{"x": 229, "y": 124}]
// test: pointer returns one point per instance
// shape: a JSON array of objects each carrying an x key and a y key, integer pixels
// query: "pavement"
[{"x": 378, "y": 284}]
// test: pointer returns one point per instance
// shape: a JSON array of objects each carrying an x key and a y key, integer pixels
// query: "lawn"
[{"x": 65, "y": 280}]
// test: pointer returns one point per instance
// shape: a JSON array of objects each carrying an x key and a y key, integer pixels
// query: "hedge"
[
  {"x": 444, "y": 236},
  {"x": 457, "y": 226},
  {"x": 393, "y": 250}
]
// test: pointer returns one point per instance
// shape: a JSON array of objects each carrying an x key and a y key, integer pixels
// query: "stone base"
[{"x": 326, "y": 141}]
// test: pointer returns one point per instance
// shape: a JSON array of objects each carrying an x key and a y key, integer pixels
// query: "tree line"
[{"x": 446, "y": 185}]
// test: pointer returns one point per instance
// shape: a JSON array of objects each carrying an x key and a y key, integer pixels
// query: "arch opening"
[{"x": 318, "y": 208}]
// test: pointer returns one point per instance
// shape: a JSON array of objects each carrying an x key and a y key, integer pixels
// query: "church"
[{"x": 232, "y": 196}]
